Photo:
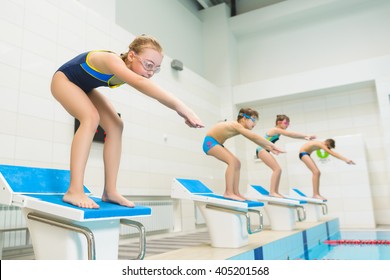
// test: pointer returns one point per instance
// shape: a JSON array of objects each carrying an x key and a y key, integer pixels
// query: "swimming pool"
[
  {"x": 324, "y": 251},
  {"x": 310, "y": 244}
]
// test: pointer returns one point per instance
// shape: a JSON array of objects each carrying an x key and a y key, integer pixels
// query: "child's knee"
[
  {"x": 237, "y": 164},
  {"x": 91, "y": 122},
  {"x": 317, "y": 173},
  {"x": 277, "y": 170}
]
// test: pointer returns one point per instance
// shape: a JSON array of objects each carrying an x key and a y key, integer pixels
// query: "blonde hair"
[{"x": 142, "y": 42}]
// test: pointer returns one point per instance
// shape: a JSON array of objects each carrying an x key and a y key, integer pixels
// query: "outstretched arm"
[
  {"x": 149, "y": 88},
  {"x": 259, "y": 140},
  {"x": 348, "y": 161},
  {"x": 337, "y": 155},
  {"x": 293, "y": 134}
]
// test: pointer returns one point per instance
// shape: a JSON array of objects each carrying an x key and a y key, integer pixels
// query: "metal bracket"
[
  {"x": 301, "y": 212},
  {"x": 324, "y": 207},
  {"x": 142, "y": 236},
  {"x": 241, "y": 212},
  {"x": 70, "y": 226}
]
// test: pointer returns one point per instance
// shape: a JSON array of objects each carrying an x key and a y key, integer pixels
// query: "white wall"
[
  {"x": 299, "y": 35},
  {"x": 178, "y": 29}
]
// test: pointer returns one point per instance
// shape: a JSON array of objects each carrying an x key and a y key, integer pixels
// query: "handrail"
[
  {"x": 142, "y": 236},
  {"x": 298, "y": 208},
  {"x": 303, "y": 216},
  {"x": 70, "y": 226},
  {"x": 241, "y": 212},
  {"x": 260, "y": 228},
  {"x": 324, "y": 207}
]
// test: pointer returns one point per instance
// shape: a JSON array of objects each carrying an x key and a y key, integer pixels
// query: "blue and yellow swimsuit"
[
  {"x": 272, "y": 139},
  {"x": 81, "y": 73}
]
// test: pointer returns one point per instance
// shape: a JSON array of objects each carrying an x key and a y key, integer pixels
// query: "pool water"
[{"x": 351, "y": 251}]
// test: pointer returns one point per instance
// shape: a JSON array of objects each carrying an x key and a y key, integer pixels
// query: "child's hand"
[
  {"x": 310, "y": 137},
  {"x": 191, "y": 119},
  {"x": 197, "y": 124},
  {"x": 276, "y": 150},
  {"x": 350, "y": 162}
]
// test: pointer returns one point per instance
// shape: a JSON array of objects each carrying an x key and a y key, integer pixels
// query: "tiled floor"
[
  {"x": 128, "y": 248},
  {"x": 159, "y": 244},
  {"x": 179, "y": 246},
  {"x": 171, "y": 246}
]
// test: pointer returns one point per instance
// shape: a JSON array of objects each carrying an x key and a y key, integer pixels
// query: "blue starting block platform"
[
  {"x": 315, "y": 208},
  {"x": 282, "y": 212},
  {"x": 58, "y": 229},
  {"x": 228, "y": 220}
]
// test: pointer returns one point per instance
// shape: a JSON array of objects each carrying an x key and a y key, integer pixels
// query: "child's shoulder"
[
  {"x": 226, "y": 123},
  {"x": 232, "y": 126},
  {"x": 316, "y": 143}
]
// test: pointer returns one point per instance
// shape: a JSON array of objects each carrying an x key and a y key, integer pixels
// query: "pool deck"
[
  {"x": 196, "y": 245},
  {"x": 257, "y": 243}
]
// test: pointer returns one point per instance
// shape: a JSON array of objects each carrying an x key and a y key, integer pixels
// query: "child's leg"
[
  {"x": 271, "y": 162},
  {"x": 77, "y": 103},
  {"x": 113, "y": 126},
  {"x": 232, "y": 175},
  {"x": 236, "y": 182},
  {"x": 316, "y": 176}
]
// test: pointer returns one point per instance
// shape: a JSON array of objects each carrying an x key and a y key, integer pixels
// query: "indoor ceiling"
[{"x": 237, "y": 6}]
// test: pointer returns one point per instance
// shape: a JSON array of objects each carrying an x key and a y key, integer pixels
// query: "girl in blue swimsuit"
[
  {"x": 74, "y": 86},
  {"x": 281, "y": 125}
]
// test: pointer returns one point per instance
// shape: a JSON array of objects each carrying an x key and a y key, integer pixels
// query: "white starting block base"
[
  {"x": 313, "y": 212},
  {"x": 233, "y": 227},
  {"x": 281, "y": 211},
  {"x": 281, "y": 218},
  {"x": 228, "y": 221},
  {"x": 55, "y": 243}
]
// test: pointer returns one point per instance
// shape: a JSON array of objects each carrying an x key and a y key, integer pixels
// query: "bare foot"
[
  {"x": 233, "y": 196},
  {"x": 80, "y": 200},
  {"x": 276, "y": 195},
  {"x": 243, "y": 197},
  {"x": 319, "y": 197},
  {"x": 117, "y": 199}
]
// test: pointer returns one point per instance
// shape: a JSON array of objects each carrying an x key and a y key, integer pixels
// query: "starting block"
[
  {"x": 228, "y": 220},
  {"x": 281, "y": 211},
  {"x": 60, "y": 230},
  {"x": 315, "y": 207}
]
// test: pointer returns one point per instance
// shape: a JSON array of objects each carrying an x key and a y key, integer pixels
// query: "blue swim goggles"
[{"x": 249, "y": 117}]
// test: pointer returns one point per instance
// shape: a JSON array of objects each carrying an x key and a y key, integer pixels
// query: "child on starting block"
[
  {"x": 304, "y": 155},
  {"x": 219, "y": 133},
  {"x": 74, "y": 86}
]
